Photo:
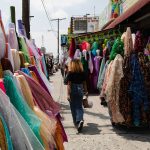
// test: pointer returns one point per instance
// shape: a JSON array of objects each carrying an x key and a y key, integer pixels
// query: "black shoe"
[
  {"x": 104, "y": 103},
  {"x": 80, "y": 126}
]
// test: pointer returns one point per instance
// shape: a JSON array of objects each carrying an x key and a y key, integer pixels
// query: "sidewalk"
[{"x": 98, "y": 134}]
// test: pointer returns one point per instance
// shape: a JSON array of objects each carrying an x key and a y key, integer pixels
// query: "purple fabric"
[
  {"x": 97, "y": 61},
  {"x": 42, "y": 98},
  {"x": 92, "y": 76},
  {"x": 21, "y": 28},
  {"x": 34, "y": 69}
]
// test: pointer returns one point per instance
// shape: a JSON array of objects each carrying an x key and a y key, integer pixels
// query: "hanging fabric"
[
  {"x": 3, "y": 48},
  {"x": 21, "y": 134},
  {"x": 42, "y": 98},
  {"x": 24, "y": 49},
  {"x": 12, "y": 37},
  {"x": 8, "y": 145},
  {"x": 16, "y": 59},
  {"x": 20, "y": 104},
  {"x": 128, "y": 42},
  {"x": 113, "y": 88},
  {"x": 10, "y": 56}
]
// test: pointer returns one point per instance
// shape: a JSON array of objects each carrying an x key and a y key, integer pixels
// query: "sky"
[{"x": 40, "y": 25}]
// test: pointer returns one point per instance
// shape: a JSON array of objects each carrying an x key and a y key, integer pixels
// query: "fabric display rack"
[
  {"x": 29, "y": 117},
  {"x": 117, "y": 62}
]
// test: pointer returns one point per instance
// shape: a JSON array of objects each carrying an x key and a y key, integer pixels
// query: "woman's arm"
[
  {"x": 85, "y": 88},
  {"x": 68, "y": 90}
]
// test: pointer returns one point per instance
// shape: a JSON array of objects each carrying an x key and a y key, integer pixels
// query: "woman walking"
[{"x": 75, "y": 88}]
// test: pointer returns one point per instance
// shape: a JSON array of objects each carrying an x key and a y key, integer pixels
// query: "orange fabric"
[
  {"x": 3, "y": 141},
  {"x": 58, "y": 137},
  {"x": 32, "y": 60},
  {"x": 34, "y": 76}
]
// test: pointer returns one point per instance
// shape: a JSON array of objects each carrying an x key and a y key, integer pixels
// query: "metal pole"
[
  {"x": 86, "y": 24},
  {"x": 58, "y": 20},
  {"x": 26, "y": 16}
]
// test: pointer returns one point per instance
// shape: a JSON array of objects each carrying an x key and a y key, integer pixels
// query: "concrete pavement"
[{"x": 98, "y": 134}]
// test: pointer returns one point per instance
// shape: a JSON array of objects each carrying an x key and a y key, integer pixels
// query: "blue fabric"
[
  {"x": 8, "y": 138},
  {"x": 44, "y": 66},
  {"x": 26, "y": 71},
  {"x": 137, "y": 90},
  {"x": 94, "y": 48},
  {"x": 64, "y": 40},
  {"x": 76, "y": 102}
]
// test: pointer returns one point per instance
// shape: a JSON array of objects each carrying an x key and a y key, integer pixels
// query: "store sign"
[
  {"x": 126, "y": 4},
  {"x": 85, "y": 24}
]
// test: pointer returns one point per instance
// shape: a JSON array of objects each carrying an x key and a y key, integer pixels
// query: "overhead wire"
[{"x": 48, "y": 17}]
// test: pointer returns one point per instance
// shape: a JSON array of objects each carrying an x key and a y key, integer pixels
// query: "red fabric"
[
  {"x": 39, "y": 51},
  {"x": 30, "y": 51},
  {"x": 72, "y": 48},
  {"x": 2, "y": 87},
  {"x": 85, "y": 46}
]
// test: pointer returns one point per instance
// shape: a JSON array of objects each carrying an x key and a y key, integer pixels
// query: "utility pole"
[
  {"x": 26, "y": 16},
  {"x": 58, "y": 21}
]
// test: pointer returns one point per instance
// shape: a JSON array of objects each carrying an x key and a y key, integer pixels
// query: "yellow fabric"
[
  {"x": 26, "y": 90},
  {"x": 47, "y": 129},
  {"x": 3, "y": 141}
]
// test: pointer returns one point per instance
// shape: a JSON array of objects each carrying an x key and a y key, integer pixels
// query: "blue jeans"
[{"x": 76, "y": 102}]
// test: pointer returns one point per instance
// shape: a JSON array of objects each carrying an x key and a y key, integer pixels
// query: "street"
[{"x": 98, "y": 133}]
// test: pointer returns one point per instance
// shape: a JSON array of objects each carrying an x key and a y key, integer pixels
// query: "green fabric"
[
  {"x": 85, "y": 64},
  {"x": 8, "y": 138},
  {"x": 20, "y": 104},
  {"x": 24, "y": 49},
  {"x": 94, "y": 48},
  {"x": 118, "y": 48},
  {"x": 100, "y": 73}
]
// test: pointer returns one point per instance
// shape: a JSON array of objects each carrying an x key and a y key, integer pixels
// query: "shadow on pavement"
[
  {"x": 134, "y": 134},
  {"x": 101, "y": 116},
  {"x": 91, "y": 129}
]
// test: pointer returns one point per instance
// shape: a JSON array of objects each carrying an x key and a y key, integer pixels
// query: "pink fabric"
[
  {"x": 2, "y": 87},
  {"x": 41, "y": 82},
  {"x": 32, "y": 49}
]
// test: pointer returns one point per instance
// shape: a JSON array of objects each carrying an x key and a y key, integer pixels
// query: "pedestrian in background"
[{"x": 75, "y": 90}]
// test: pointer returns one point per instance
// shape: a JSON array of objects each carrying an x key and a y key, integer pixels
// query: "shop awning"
[{"x": 140, "y": 4}]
